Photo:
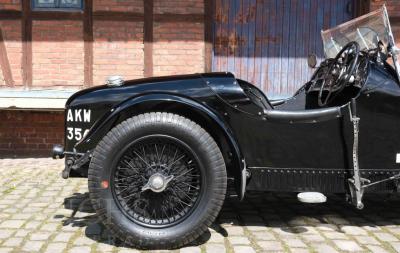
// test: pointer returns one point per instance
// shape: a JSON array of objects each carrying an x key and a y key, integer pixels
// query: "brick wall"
[
  {"x": 118, "y": 5},
  {"x": 12, "y": 40},
  {"x": 58, "y": 47},
  {"x": 10, "y": 5},
  {"x": 118, "y": 48},
  {"x": 178, "y": 46},
  {"x": 26, "y": 133},
  {"x": 57, "y": 58}
]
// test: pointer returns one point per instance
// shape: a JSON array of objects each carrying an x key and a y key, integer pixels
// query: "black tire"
[{"x": 111, "y": 204}]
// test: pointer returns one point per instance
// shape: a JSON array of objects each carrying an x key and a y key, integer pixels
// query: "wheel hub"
[{"x": 157, "y": 182}]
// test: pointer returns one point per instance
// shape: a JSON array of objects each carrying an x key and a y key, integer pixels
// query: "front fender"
[{"x": 134, "y": 106}]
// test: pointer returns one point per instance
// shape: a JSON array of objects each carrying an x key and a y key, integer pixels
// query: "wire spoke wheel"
[
  {"x": 166, "y": 180},
  {"x": 157, "y": 181}
]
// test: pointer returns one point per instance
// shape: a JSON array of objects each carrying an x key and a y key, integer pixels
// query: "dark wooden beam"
[
  {"x": 56, "y": 15},
  {"x": 361, "y": 7},
  {"x": 26, "y": 25},
  {"x": 10, "y": 14},
  {"x": 88, "y": 43},
  {"x": 5, "y": 64},
  {"x": 394, "y": 20},
  {"x": 208, "y": 33},
  {"x": 148, "y": 37},
  {"x": 118, "y": 16},
  {"x": 179, "y": 18}
]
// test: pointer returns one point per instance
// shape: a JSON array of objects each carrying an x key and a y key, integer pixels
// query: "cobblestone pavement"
[{"x": 37, "y": 214}]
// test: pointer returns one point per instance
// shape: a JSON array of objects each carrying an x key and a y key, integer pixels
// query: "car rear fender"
[{"x": 199, "y": 113}]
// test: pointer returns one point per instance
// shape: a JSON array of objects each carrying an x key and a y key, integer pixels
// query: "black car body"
[
  {"x": 292, "y": 148},
  {"x": 349, "y": 145}
]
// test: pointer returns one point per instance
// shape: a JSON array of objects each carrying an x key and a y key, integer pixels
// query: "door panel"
[{"x": 266, "y": 42}]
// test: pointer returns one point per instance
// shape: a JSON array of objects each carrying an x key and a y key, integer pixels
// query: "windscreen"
[{"x": 367, "y": 30}]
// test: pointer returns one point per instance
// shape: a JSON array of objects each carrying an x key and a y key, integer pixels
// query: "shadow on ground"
[{"x": 281, "y": 212}]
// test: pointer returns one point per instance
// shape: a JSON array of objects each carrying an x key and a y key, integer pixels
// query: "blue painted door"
[{"x": 266, "y": 42}]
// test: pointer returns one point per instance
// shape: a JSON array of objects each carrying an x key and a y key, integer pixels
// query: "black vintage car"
[{"x": 161, "y": 153}]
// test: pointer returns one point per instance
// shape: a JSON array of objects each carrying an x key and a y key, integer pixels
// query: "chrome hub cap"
[{"x": 157, "y": 182}]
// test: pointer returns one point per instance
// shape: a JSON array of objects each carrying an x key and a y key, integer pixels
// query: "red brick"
[
  {"x": 26, "y": 133},
  {"x": 54, "y": 44}
]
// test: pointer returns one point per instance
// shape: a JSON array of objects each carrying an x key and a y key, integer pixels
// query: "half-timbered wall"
[
  {"x": 72, "y": 50},
  {"x": 42, "y": 50}
]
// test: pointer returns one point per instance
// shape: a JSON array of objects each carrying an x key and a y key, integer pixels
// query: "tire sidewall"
[{"x": 107, "y": 200}]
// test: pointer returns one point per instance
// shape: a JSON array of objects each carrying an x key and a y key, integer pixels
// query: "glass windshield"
[{"x": 367, "y": 30}]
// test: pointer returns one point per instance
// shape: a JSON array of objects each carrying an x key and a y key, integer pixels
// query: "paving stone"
[
  {"x": 103, "y": 247},
  {"x": 234, "y": 230},
  {"x": 21, "y": 216},
  {"x": 215, "y": 248},
  {"x": 324, "y": 248},
  {"x": 267, "y": 236},
  {"x": 32, "y": 225},
  {"x": 33, "y": 246},
  {"x": 270, "y": 245},
  {"x": 295, "y": 243},
  {"x": 83, "y": 241},
  {"x": 243, "y": 249},
  {"x": 239, "y": 240},
  {"x": 13, "y": 242},
  {"x": 386, "y": 237},
  {"x": 4, "y": 233},
  {"x": 367, "y": 240},
  {"x": 190, "y": 250},
  {"x": 254, "y": 228},
  {"x": 22, "y": 233},
  {"x": 376, "y": 249},
  {"x": 396, "y": 246},
  {"x": 55, "y": 248},
  {"x": 353, "y": 230},
  {"x": 12, "y": 224},
  {"x": 335, "y": 235},
  {"x": 347, "y": 245},
  {"x": 50, "y": 227},
  {"x": 40, "y": 236},
  {"x": 82, "y": 249},
  {"x": 63, "y": 237},
  {"x": 313, "y": 238}
]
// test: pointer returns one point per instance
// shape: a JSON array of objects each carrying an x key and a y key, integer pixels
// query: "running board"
[{"x": 311, "y": 197}]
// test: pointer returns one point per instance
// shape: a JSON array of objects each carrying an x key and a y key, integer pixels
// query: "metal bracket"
[
  {"x": 77, "y": 164},
  {"x": 356, "y": 183}
]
